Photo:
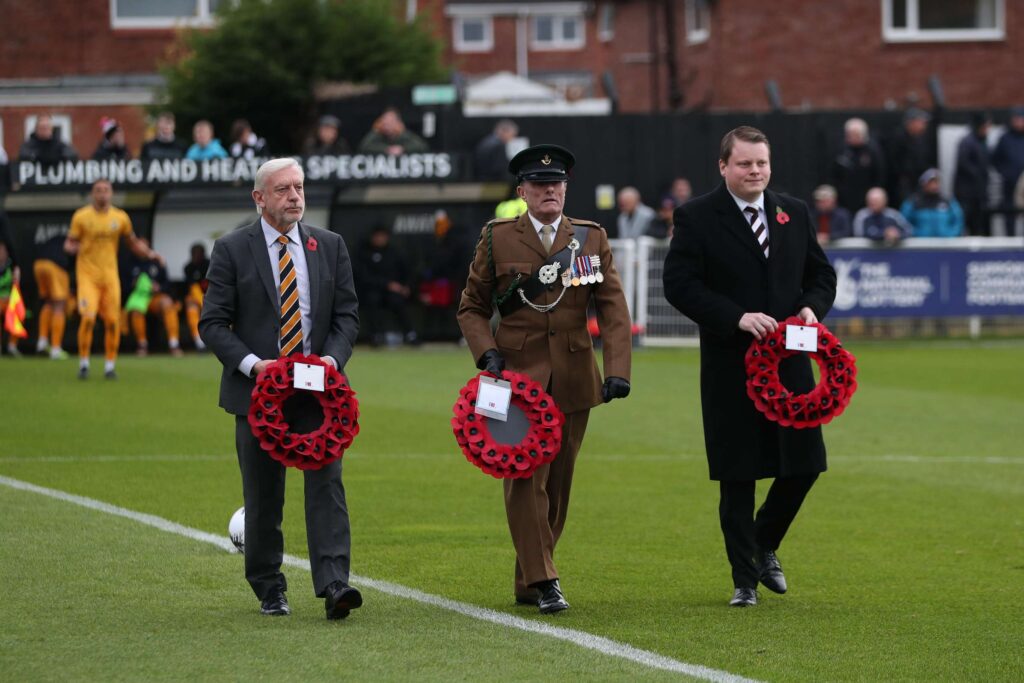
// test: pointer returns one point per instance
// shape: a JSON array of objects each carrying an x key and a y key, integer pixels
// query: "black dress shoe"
[
  {"x": 551, "y": 598},
  {"x": 275, "y": 605},
  {"x": 340, "y": 599},
  {"x": 744, "y": 597},
  {"x": 770, "y": 572}
]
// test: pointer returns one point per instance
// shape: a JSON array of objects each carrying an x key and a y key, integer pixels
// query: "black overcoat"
[{"x": 715, "y": 272}]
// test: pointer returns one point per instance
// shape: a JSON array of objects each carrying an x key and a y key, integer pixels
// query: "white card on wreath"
[
  {"x": 802, "y": 338},
  {"x": 493, "y": 397},
  {"x": 309, "y": 377}
]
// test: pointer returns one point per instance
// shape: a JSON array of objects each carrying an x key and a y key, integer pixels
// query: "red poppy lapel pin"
[
  {"x": 781, "y": 217},
  {"x": 311, "y": 243}
]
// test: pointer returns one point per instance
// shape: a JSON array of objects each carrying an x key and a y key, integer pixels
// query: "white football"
[{"x": 236, "y": 529}]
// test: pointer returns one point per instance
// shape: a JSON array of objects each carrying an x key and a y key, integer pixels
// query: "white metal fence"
[{"x": 640, "y": 264}]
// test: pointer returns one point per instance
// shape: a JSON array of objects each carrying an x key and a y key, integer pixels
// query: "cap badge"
[{"x": 546, "y": 160}]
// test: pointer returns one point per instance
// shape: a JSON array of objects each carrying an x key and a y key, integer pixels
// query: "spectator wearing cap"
[
  {"x": 390, "y": 136},
  {"x": 1008, "y": 160},
  {"x": 858, "y": 167},
  {"x": 490, "y": 155},
  {"x": 328, "y": 141},
  {"x": 543, "y": 334},
  {"x": 112, "y": 146},
  {"x": 878, "y": 221},
  {"x": 164, "y": 145},
  {"x": 910, "y": 153},
  {"x": 929, "y": 212},
  {"x": 970, "y": 184},
  {"x": 44, "y": 147},
  {"x": 831, "y": 221},
  {"x": 245, "y": 144},
  {"x": 204, "y": 145}
]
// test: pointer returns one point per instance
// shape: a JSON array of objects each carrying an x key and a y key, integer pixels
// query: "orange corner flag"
[{"x": 14, "y": 316}]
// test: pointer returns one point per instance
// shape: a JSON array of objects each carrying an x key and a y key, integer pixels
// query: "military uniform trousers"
[{"x": 537, "y": 508}]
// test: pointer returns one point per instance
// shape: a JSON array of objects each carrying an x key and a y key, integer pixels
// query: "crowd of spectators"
[{"x": 885, "y": 187}]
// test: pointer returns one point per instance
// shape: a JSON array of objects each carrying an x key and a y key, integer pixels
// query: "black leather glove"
[
  {"x": 614, "y": 387},
  {"x": 492, "y": 362}
]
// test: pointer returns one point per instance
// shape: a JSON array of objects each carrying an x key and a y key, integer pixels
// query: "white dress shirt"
[
  {"x": 537, "y": 225},
  {"x": 757, "y": 204}
]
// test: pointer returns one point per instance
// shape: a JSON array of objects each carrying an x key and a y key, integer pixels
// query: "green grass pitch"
[{"x": 906, "y": 563}]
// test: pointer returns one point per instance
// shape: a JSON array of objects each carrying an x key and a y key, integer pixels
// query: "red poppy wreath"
[
  {"x": 539, "y": 445},
  {"x": 817, "y": 407},
  {"x": 314, "y": 449}
]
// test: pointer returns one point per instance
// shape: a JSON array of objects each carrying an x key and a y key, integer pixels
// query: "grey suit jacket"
[{"x": 241, "y": 313}]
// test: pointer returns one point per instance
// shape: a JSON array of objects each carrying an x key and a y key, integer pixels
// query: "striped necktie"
[
  {"x": 760, "y": 231},
  {"x": 291, "y": 316}
]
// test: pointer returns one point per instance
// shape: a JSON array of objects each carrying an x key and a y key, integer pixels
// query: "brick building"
[
  {"x": 84, "y": 59},
  {"x": 721, "y": 55},
  {"x": 81, "y": 60}
]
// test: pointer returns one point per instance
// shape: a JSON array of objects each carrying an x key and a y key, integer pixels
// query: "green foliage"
[{"x": 264, "y": 57}]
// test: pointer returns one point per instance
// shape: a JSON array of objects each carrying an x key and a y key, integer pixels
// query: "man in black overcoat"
[{"x": 741, "y": 259}]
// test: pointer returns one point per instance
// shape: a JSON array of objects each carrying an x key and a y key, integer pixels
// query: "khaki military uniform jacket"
[{"x": 553, "y": 348}]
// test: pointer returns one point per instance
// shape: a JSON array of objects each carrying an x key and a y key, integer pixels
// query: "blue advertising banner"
[{"x": 928, "y": 282}]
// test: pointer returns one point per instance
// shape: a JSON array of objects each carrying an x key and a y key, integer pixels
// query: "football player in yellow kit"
[{"x": 97, "y": 231}]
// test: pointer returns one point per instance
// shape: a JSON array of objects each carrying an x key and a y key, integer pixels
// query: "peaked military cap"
[{"x": 542, "y": 163}]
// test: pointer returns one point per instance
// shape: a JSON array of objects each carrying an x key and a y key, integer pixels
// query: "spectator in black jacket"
[
  {"x": 43, "y": 147},
  {"x": 970, "y": 184},
  {"x": 328, "y": 141},
  {"x": 165, "y": 145},
  {"x": 112, "y": 146},
  {"x": 490, "y": 155},
  {"x": 910, "y": 153},
  {"x": 859, "y": 167},
  {"x": 245, "y": 144},
  {"x": 1008, "y": 159},
  {"x": 383, "y": 282}
]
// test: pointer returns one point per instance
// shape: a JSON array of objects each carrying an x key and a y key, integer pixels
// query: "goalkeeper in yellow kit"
[{"x": 97, "y": 231}]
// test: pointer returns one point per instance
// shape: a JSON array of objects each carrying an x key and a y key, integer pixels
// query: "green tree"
[{"x": 264, "y": 57}]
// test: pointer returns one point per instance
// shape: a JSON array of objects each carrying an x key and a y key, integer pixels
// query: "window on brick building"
[
  {"x": 557, "y": 32},
  {"x": 162, "y": 13},
  {"x": 943, "y": 20},
  {"x": 473, "y": 34},
  {"x": 606, "y": 22},
  {"x": 698, "y": 21}
]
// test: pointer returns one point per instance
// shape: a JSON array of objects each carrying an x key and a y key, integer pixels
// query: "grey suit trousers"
[{"x": 327, "y": 525}]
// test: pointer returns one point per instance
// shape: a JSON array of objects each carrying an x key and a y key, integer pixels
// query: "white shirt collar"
[
  {"x": 743, "y": 203},
  {"x": 537, "y": 225},
  {"x": 270, "y": 234}
]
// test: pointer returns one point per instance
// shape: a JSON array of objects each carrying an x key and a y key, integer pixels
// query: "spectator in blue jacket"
[
  {"x": 930, "y": 212},
  {"x": 878, "y": 221},
  {"x": 206, "y": 146}
]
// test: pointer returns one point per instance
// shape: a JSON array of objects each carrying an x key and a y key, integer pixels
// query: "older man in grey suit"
[{"x": 251, "y": 315}]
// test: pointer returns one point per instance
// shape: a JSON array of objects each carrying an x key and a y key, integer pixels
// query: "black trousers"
[
  {"x": 745, "y": 534},
  {"x": 327, "y": 526}
]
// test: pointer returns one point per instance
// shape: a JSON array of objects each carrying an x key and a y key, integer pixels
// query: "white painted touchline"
[
  {"x": 118, "y": 458},
  {"x": 583, "y": 639}
]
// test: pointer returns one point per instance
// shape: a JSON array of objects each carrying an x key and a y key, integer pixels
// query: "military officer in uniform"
[{"x": 541, "y": 270}]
